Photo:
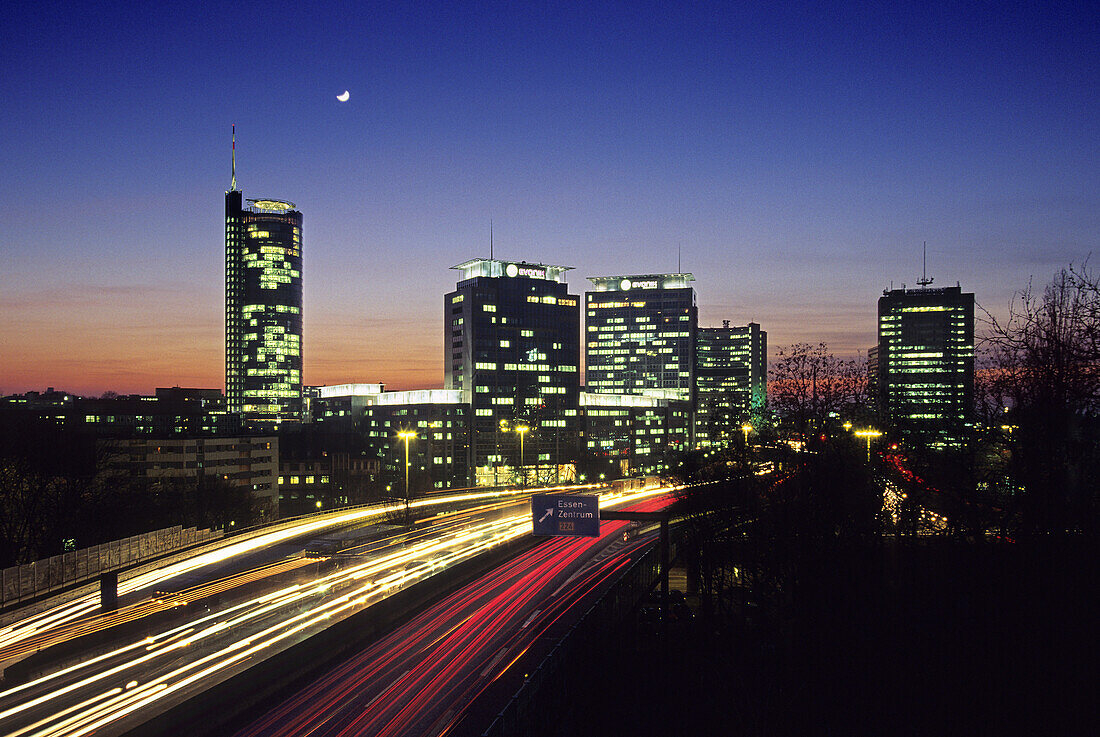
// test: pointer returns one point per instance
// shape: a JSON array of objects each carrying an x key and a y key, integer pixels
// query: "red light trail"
[{"x": 421, "y": 678}]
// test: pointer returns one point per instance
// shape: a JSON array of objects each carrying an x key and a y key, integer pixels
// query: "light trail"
[
  {"x": 215, "y": 644},
  {"x": 37, "y": 623},
  {"x": 433, "y": 667},
  {"x": 100, "y": 622}
]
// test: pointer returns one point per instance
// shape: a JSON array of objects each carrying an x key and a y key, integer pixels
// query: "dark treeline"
[
  {"x": 55, "y": 494},
  {"x": 816, "y": 614}
]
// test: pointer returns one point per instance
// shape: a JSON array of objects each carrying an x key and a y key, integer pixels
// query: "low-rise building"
[
  {"x": 248, "y": 462},
  {"x": 637, "y": 433}
]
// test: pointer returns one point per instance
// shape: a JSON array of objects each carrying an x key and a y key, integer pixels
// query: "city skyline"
[{"x": 794, "y": 160}]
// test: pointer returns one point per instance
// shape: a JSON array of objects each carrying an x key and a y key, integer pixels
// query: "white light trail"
[{"x": 300, "y": 608}]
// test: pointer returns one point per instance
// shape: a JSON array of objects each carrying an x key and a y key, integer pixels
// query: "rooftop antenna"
[
  {"x": 677, "y": 257},
  {"x": 490, "y": 239},
  {"x": 924, "y": 280},
  {"x": 234, "y": 185}
]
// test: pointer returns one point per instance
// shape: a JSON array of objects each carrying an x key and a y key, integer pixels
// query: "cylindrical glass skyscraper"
[{"x": 263, "y": 309}]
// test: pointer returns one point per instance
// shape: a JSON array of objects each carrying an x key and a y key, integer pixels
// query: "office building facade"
[
  {"x": 263, "y": 309},
  {"x": 439, "y": 446},
  {"x": 251, "y": 463},
  {"x": 640, "y": 335},
  {"x": 512, "y": 348},
  {"x": 925, "y": 373},
  {"x": 731, "y": 380},
  {"x": 636, "y": 434}
]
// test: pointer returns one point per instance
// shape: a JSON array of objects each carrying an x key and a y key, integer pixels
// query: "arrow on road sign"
[{"x": 549, "y": 513}]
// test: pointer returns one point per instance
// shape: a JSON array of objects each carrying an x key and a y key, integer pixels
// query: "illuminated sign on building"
[
  {"x": 628, "y": 284},
  {"x": 531, "y": 272}
]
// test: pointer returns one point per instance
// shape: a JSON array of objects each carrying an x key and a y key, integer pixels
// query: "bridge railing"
[{"x": 49, "y": 575}]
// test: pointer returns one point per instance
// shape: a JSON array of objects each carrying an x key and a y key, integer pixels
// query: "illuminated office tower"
[
  {"x": 731, "y": 381},
  {"x": 263, "y": 309},
  {"x": 640, "y": 335},
  {"x": 925, "y": 373},
  {"x": 511, "y": 340}
]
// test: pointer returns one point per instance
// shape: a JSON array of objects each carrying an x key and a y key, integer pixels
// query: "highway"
[
  {"x": 423, "y": 678},
  {"x": 232, "y": 558},
  {"x": 162, "y": 648}
]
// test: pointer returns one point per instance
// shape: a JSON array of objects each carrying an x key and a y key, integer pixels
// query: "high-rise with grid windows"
[
  {"x": 640, "y": 335},
  {"x": 263, "y": 309},
  {"x": 511, "y": 337},
  {"x": 925, "y": 373},
  {"x": 731, "y": 381}
]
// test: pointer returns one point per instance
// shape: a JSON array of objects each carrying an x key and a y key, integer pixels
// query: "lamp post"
[
  {"x": 869, "y": 434},
  {"x": 746, "y": 428},
  {"x": 522, "y": 430},
  {"x": 501, "y": 426},
  {"x": 406, "y": 435}
]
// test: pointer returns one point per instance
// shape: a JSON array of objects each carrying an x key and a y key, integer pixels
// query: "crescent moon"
[{"x": 344, "y": 97}]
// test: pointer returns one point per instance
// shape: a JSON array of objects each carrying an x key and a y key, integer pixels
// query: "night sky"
[{"x": 797, "y": 157}]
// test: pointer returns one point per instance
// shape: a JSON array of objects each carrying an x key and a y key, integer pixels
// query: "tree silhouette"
[
  {"x": 808, "y": 384},
  {"x": 1041, "y": 385}
]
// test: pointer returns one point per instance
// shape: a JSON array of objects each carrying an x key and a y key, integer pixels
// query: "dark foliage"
[
  {"x": 1040, "y": 397},
  {"x": 54, "y": 495}
]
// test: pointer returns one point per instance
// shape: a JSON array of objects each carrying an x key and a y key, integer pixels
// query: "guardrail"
[
  {"x": 44, "y": 580},
  {"x": 50, "y": 575},
  {"x": 28, "y": 597}
]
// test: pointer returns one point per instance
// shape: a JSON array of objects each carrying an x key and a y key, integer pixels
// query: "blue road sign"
[{"x": 565, "y": 514}]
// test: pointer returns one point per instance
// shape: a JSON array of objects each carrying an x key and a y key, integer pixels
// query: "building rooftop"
[
  {"x": 497, "y": 268},
  {"x": 626, "y": 282},
  {"x": 421, "y": 396},
  {"x": 269, "y": 205}
]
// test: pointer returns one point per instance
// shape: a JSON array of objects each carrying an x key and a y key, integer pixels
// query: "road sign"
[{"x": 565, "y": 514}]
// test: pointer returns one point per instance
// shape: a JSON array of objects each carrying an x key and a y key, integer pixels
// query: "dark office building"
[
  {"x": 172, "y": 411},
  {"x": 246, "y": 462},
  {"x": 925, "y": 372},
  {"x": 263, "y": 309},
  {"x": 731, "y": 380},
  {"x": 511, "y": 342},
  {"x": 640, "y": 335},
  {"x": 324, "y": 466}
]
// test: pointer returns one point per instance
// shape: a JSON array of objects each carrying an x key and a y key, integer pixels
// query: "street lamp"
[
  {"x": 406, "y": 435},
  {"x": 502, "y": 426},
  {"x": 870, "y": 433},
  {"x": 522, "y": 430},
  {"x": 746, "y": 428}
]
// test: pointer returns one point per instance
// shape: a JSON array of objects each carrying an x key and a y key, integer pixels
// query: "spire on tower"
[
  {"x": 233, "y": 186},
  {"x": 925, "y": 280}
]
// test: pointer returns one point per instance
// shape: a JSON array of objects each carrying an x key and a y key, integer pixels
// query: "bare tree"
[
  {"x": 808, "y": 383},
  {"x": 1041, "y": 376}
]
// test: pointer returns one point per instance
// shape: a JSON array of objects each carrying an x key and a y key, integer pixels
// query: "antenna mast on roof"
[
  {"x": 677, "y": 257},
  {"x": 924, "y": 280},
  {"x": 490, "y": 239},
  {"x": 233, "y": 186}
]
